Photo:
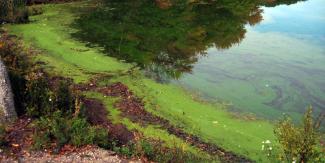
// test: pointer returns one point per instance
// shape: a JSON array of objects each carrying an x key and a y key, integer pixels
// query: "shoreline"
[{"x": 159, "y": 99}]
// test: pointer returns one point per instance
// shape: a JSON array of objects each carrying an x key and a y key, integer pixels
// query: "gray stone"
[{"x": 7, "y": 107}]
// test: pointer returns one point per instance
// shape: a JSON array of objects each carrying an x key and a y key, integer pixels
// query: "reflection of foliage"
[
  {"x": 272, "y": 3},
  {"x": 300, "y": 144},
  {"x": 167, "y": 36}
]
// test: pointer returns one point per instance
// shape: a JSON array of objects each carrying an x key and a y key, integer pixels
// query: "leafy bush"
[
  {"x": 64, "y": 99},
  {"x": 80, "y": 132},
  {"x": 128, "y": 150},
  {"x": 35, "y": 10},
  {"x": 42, "y": 101},
  {"x": 18, "y": 65},
  {"x": 13, "y": 11},
  {"x": 50, "y": 100},
  {"x": 64, "y": 130},
  {"x": 147, "y": 149},
  {"x": 38, "y": 95},
  {"x": 300, "y": 143},
  {"x": 101, "y": 137}
]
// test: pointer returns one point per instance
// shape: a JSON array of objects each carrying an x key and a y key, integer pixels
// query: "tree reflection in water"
[{"x": 166, "y": 37}]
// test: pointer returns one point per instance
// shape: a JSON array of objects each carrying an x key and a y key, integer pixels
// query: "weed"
[
  {"x": 300, "y": 143},
  {"x": 64, "y": 130},
  {"x": 35, "y": 10},
  {"x": 2, "y": 135}
]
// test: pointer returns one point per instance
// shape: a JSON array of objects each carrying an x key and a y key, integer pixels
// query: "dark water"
[{"x": 259, "y": 56}]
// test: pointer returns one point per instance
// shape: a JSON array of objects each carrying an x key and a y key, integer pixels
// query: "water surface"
[
  {"x": 278, "y": 68},
  {"x": 259, "y": 57}
]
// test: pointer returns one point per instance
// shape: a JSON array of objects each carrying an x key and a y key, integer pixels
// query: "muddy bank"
[
  {"x": 96, "y": 114},
  {"x": 132, "y": 107}
]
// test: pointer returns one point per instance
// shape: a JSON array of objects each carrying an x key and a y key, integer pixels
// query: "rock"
[{"x": 7, "y": 107}]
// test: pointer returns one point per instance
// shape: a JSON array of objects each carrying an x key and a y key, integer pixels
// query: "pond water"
[{"x": 265, "y": 57}]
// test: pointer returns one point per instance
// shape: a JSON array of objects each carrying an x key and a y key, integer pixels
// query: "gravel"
[{"x": 94, "y": 154}]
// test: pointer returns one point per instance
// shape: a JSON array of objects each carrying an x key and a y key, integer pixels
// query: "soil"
[
  {"x": 33, "y": 2},
  {"x": 86, "y": 154},
  {"x": 19, "y": 143},
  {"x": 97, "y": 115},
  {"x": 18, "y": 137},
  {"x": 133, "y": 108}
]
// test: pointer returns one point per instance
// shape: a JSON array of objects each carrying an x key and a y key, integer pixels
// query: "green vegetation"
[
  {"x": 67, "y": 57},
  {"x": 48, "y": 99},
  {"x": 2, "y": 135},
  {"x": 72, "y": 59},
  {"x": 300, "y": 143},
  {"x": 160, "y": 139},
  {"x": 13, "y": 11},
  {"x": 52, "y": 102},
  {"x": 67, "y": 130}
]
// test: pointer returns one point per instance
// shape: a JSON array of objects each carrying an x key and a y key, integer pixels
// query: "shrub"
[
  {"x": 101, "y": 137},
  {"x": 42, "y": 101},
  {"x": 35, "y": 10},
  {"x": 64, "y": 99},
  {"x": 300, "y": 143},
  {"x": 128, "y": 150},
  {"x": 80, "y": 132},
  {"x": 147, "y": 149},
  {"x": 17, "y": 63},
  {"x": 64, "y": 130},
  {"x": 38, "y": 98},
  {"x": 13, "y": 11},
  {"x": 51, "y": 128},
  {"x": 156, "y": 151}
]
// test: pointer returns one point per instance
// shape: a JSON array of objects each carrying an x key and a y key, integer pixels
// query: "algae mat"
[{"x": 50, "y": 33}]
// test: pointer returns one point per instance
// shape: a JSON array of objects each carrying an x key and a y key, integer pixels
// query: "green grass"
[{"x": 50, "y": 33}]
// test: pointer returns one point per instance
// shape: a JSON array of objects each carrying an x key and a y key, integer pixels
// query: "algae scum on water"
[
  {"x": 216, "y": 49},
  {"x": 224, "y": 50}
]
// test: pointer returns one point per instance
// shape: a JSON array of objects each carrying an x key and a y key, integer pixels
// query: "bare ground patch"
[{"x": 133, "y": 108}]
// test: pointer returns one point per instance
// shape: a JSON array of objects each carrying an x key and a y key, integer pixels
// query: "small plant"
[
  {"x": 43, "y": 100},
  {"x": 64, "y": 99},
  {"x": 101, "y": 136},
  {"x": 80, "y": 132},
  {"x": 63, "y": 130},
  {"x": 268, "y": 150},
  {"x": 13, "y": 11},
  {"x": 300, "y": 143},
  {"x": 51, "y": 128},
  {"x": 2, "y": 135},
  {"x": 128, "y": 150},
  {"x": 147, "y": 149},
  {"x": 35, "y": 10},
  {"x": 38, "y": 95}
]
